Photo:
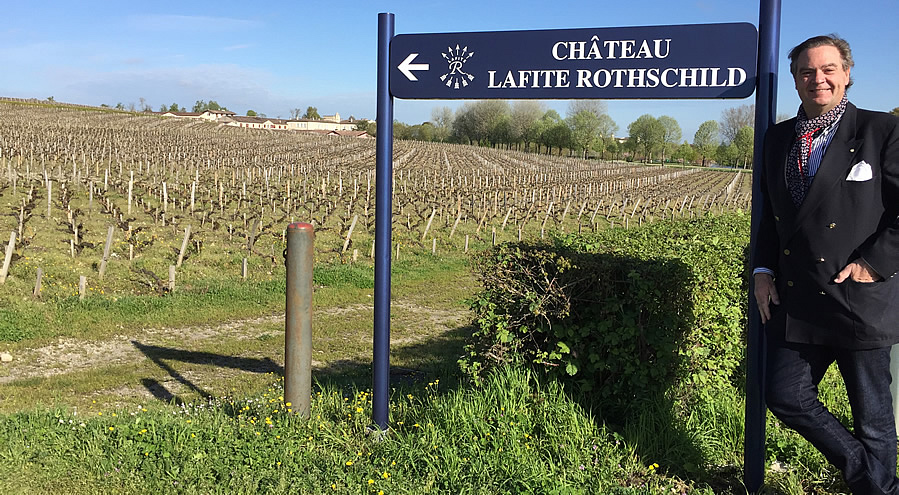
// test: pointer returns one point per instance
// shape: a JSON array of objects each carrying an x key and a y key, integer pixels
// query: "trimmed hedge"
[{"x": 626, "y": 313}]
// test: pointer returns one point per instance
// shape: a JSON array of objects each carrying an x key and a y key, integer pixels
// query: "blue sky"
[{"x": 273, "y": 56}]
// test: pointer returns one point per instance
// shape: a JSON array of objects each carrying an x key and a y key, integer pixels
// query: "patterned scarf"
[{"x": 807, "y": 130}]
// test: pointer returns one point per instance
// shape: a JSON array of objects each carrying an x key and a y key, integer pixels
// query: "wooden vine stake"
[
  {"x": 428, "y": 226},
  {"x": 183, "y": 245},
  {"x": 171, "y": 278},
  {"x": 106, "y": 250},
  {"x": 82, "y": 287},
  {"x": 349, "y": 234},
  {"x": 456, "y": 223},
  {"x": 130, "y": 191},
  {"x": 37, "y": 284},
  {"x": 4, "y": 271},
  {"x": 49, "y": 196}
]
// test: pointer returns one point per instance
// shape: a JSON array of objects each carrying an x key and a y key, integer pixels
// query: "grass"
[
  {"x": 514, "y": 435},
  {"x": 214, "y": 420}
]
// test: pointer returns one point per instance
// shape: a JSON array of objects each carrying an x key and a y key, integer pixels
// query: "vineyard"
[
  {"x": 103, "y": 202},
  {"x": 102, "y": 213}
]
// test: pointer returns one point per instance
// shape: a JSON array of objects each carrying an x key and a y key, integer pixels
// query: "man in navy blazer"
[{"x": 825, "y": 256}]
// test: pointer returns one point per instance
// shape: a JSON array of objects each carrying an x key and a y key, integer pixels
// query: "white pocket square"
[{"x": 860, "y": 172}]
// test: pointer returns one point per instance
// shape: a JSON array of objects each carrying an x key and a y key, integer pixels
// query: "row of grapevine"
[{"x": 68, "y": 174}]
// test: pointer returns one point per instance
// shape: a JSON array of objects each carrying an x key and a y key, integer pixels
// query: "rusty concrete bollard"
[{"x": 298, "y": 316}]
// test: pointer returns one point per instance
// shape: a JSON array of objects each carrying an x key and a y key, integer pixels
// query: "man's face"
[{"x": 820, "y": 79}]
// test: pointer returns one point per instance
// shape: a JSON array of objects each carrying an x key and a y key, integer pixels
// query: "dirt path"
[{"x": 69, "y": 355}]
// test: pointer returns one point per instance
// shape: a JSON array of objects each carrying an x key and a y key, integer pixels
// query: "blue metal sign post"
[
  {"x": 383, "y": 227},
  {"x": 765, "y": 114},
  {"x": 657, "y": 62}
]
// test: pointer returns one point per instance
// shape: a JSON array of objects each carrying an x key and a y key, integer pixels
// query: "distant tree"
[
  {"x": 144, "y": 106},
  {"x": 311, "y": 113},
  {"x": 367, "y": 126},
  {"x": 174, "y": 108},
  {"x": 524, "y": 119},
  {"x": 647, "y": 134},
  {"x": 423, "y": 132},
  {"x": 251, "y": 113},
  {"x": 734, "y": 119},
  {"x": 612, "y": 147},
  {"x": 671, "y": 136},
  {"x": 442, "y": 119},
  {"x": 463, "y": 130},
  {"x": 583, "y": 119},
  {"x": 488, "y": 118},
  {"x": 480, "y": 121},
  {"x": 548, "y": 121},
  {"x": 50, "y": 98},
  {"x": 104, "y": 105},
  {"x": 743, "y": 143},
  {"x": 558, "y": 136},
  {"x": 162, "y": 109},
  {"x": 552, "y": 115},
  {"x": 895, "y": 111},
  {"x": 705, "y": 141},
  {"x": 584, "y": 127},
  {"x": 607, "y": 129},
  {"x": 295, "y": 113},
  {"x": 119, "y": 106},
  {"x": 685, "y": 153},
  {"x": 501, "y": 131},
  {"x": 727, "y": 154},
  {"x": 402, "y": 130},
  {"x": 201, "y": 106},
  {"x": 631, "y": 146}
]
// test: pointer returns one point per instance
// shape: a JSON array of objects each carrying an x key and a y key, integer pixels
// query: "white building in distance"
[{"x": 327, "y": 123}]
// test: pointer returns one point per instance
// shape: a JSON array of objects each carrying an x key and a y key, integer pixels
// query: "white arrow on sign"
[{"x": 406, "y": 67}]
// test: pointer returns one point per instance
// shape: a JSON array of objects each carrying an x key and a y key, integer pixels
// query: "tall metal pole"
[
  {"x": 765, "y": 115},
  {"x": 383, "y": 219},
  {"x": 298, "y": 318}
]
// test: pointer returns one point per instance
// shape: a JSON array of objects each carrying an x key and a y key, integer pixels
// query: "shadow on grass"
[
  {"x": 424, "y": 361},
  {"x": 162, "y": 355},
  {"x": 433, "y": 358}
]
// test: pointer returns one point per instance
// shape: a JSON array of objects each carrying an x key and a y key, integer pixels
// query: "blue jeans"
[{"x": 866, "y": 456}]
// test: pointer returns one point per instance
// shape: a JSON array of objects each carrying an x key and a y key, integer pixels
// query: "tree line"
[{"x": 587, "y": 131}]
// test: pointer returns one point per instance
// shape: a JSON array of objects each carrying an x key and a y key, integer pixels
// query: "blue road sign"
[{"x": 683, "y": 61}]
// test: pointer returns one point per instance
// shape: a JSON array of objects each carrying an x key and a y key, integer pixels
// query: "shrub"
[{"x": 626, "y": 313}]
